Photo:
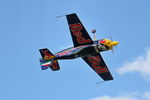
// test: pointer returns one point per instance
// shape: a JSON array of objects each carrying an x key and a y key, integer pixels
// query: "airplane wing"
[
  {"x": 78, "y": 32},
  {"x": 97, "y": 63}
]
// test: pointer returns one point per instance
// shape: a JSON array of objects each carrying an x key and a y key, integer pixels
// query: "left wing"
[
  {"x": 97, "y": 63},
  {"x": 78, "y": 32}
]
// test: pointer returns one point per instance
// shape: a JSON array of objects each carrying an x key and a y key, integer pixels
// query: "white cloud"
[
  {"x": 140, "y": 64},
  {"x": 114, "y": 98},
  {"x": 147, "y": 95},
  {"x": 127, "y": 96}
]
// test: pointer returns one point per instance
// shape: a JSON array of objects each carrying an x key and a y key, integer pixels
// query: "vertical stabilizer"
[{"x": 48, "y": 61}]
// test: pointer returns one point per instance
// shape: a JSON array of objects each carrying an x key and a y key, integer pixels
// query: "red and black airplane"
[{"x": 84, "y": 47}]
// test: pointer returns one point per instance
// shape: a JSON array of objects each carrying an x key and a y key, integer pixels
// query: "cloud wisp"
[
  {"x": 140, "y": 64},
  {"x": 129, "y": 96},
  {"x": 114, "y": 98}
]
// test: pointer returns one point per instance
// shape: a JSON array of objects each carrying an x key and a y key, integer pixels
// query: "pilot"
[{"x": 101, "y": 47}]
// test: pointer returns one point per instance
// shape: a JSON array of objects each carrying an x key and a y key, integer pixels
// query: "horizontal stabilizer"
[
  {"x": 44, "y": 64},
  {"x": 54, "y": 65}
]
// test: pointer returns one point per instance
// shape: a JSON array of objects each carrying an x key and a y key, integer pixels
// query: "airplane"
[{"x": 84, "y": 47}]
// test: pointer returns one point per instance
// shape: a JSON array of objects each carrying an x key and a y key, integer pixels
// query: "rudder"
[{"x": 46, "y": 54}]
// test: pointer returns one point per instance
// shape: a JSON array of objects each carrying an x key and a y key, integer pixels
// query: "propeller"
[{"x": 114, "y": 44}]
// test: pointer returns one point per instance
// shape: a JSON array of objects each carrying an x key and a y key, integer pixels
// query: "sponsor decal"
[
  {"x": 76, "y": 30},
  {"x": 47, "y": 55},
  {"x": 55, "y": 65},
  {"x": 96, "y": 64}
]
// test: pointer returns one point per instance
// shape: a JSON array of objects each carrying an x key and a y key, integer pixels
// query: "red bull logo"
[
  {"x": 95, "y": 60},
  {"x": 76, "y": 30},
  {"x": 47, "y": 55}
]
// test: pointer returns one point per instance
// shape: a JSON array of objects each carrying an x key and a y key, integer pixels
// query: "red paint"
[
  {"x": 65, "y": 52},
  {"x": 76, "y": 30},
  {"x": 76, "y": 27},
  {"x": 55, "y": 65},
  {"x": 103, "y": 41},
  {"x": 46, "y": 53},
  {"x": 95, "y": 60}
]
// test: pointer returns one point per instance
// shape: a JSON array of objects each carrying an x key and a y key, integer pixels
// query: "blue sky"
[{"x": 28, "y": 25}]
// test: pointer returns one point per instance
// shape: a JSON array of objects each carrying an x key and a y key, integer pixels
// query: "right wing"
[
  {"x": 97, "y": 63},
  {"x": 78, "y": 32}
]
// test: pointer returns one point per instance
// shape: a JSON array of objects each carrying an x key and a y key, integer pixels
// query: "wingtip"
[{"x": 65, "y": 15}]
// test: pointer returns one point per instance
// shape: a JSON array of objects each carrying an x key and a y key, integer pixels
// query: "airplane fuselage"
[{"x": 80, "y": 51}]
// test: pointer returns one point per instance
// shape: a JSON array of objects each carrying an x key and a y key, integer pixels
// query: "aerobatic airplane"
[{"x": 84, "y": 47}]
